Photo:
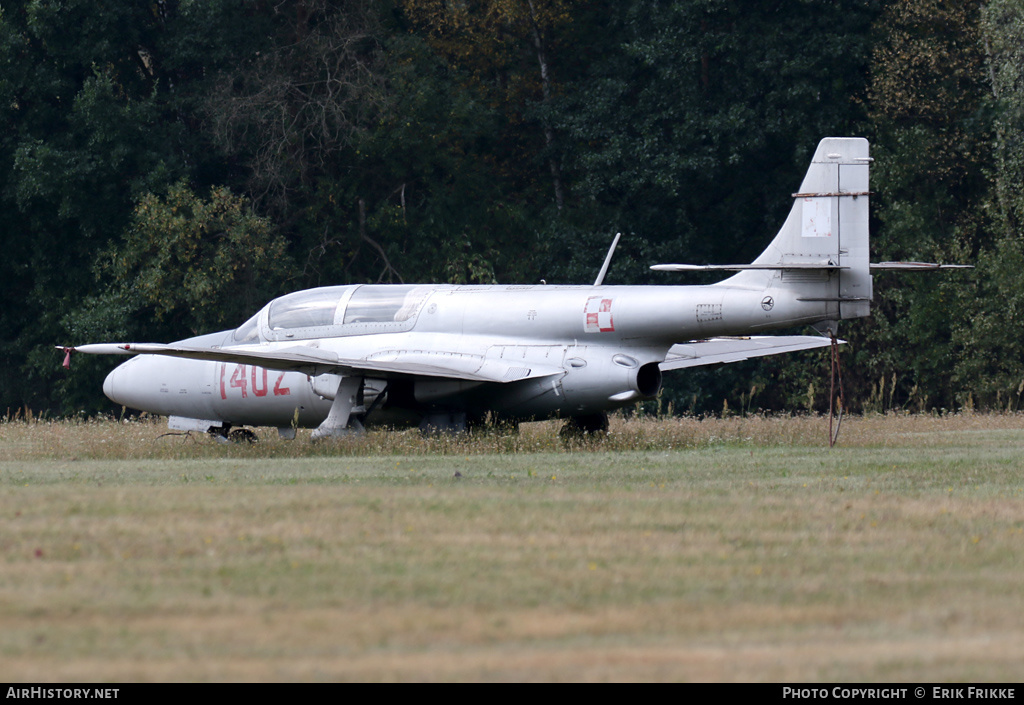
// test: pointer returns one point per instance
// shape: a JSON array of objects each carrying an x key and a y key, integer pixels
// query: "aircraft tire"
[{"x": 243, "y": 435}]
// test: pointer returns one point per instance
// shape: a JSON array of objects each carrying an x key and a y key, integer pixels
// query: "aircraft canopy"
[
  {"x": 312, "y": 308},
  {"x": 338, "y": 305}
]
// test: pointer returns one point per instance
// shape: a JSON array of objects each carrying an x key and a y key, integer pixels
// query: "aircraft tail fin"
[
  {"x": 828, "y": 225},
  {"x": 822, "y": 248},
  {"x": 821, "y": 253}
]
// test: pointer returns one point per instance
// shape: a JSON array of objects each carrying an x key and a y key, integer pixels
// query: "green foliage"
[
  {"x": 422, "y": 195},
  {"x": 693, "y": 113},
  {"x": 501, "y": 140},
  {"x": 931, "y": 152},
  {"x": 1003, "y": 28},
  {"x": 992, "y": 361},
  {"x": 97, "y": 107},
  {"x": 204, "y": 264}
]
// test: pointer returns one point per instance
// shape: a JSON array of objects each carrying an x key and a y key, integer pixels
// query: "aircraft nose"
[
  {"x": 142, "y": 383},
  {"x": 132, "y": 383},
  {"x": 108, "y": 384}
]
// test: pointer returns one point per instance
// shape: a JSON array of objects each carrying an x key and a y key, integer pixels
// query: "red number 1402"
[{"x": 254, "y": 379}]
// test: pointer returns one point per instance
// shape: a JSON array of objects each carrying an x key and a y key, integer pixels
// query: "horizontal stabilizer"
[
  {"x": 723, "y": 350},
  {"x": 812, "y": 266},
  {"x": 915, "y": 266},
  {"x": 314, "y": 361}
]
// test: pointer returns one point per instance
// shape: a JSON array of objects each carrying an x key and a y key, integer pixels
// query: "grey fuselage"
[{"x": 602, "y": 346}]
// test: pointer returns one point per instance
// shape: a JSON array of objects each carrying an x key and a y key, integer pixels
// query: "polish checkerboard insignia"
[{"x": 598, "y": 315}]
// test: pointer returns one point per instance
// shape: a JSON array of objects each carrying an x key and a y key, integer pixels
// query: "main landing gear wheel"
[
  {"x": 243, "y": 435},
  {"x": 585, "y": 426}
]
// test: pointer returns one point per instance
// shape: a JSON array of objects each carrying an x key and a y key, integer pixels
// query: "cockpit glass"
[
  {"x": 248, "y": 332},
  {"x": 306, "y": 309},
  {"x": 384, "y": 303},
  {"x": 341, "y": 305}
]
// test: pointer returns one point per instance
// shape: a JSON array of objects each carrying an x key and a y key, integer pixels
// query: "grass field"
[{"x": 719, "y": 550}]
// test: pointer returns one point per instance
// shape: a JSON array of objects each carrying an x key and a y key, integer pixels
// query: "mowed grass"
[{"x": 711, "y": 550}]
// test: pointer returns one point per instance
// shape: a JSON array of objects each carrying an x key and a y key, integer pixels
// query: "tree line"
[{"x": 168, "y": 166}]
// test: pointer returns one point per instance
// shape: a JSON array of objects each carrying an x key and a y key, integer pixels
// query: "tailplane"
[
  {"x": 821, "y": 254},
  {"x": 823, "y": 245}
]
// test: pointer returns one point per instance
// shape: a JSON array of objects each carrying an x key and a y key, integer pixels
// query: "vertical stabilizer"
[{"x": 827, "y": 225}]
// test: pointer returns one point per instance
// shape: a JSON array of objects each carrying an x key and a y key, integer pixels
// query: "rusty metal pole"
[{"x": 837, "y": 374}]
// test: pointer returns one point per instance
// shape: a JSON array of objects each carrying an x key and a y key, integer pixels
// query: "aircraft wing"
[
  {"x": 720, "y": 350},
  {"x": 315, "y": 361}
]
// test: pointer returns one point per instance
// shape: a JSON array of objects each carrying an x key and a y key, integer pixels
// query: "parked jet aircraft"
[{"x": 445, "y": 356}]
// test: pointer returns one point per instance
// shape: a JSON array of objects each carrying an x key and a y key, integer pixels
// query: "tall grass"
[{"x": 148, "y": 438}]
